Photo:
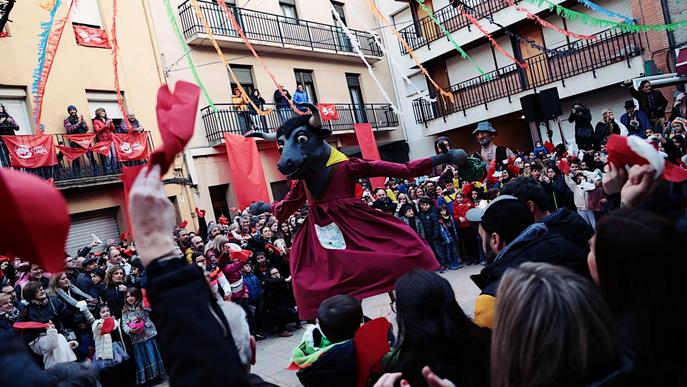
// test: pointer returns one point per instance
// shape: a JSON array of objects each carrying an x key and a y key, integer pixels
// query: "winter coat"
[
  {"x": 300, "y": 97},
  {"x": 53, "y": 347},
  {"x": 460, "y": 210},
  {"x": 535, "y": 244},
  {"x": 572, "y": 227},
  {"x": 658, "y": 110},
  {"x": 279, "y": 99},
  {"x": 449, "y": 231},
  {"x": 254, "y": 288},
  {"x": 337, "y": 367},
  {"x": 135, "y": 315},
  {"x": 53, "y": 310},
  {"x": 641, "y": 118},
  {"x": 558, "y": 194},
  {"x": 584, "y": 132},
  {"x": 430, "y": 223},
  {"x": 277, "y": 293},
  {"x": 104, "y": 129},
  {"x": 103, "y": 343},
  {"x": 18, "y": 367},
  {"x": 114, "y": 299},
  {"x": 416, "y": 224}
]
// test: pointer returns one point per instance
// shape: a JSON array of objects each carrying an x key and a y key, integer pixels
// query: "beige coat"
[{"x": 103, "y": 344}]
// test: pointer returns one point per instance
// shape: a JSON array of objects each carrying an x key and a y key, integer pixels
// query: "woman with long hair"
[
  {"x": 137, "y": 324},
  {"x": 115, "y": 290},
  {"x": 641, "y": 295},
  {"x": 433, "y": 331},
  {"x": 76, "y": 306},
  {"x": 553, "y": 328}
]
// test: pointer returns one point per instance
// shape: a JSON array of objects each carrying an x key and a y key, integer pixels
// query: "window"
[
  {"x": 279, "y": 189},
  {"x": 245, "y": 76},
  {"x": 288, "y": 8},
  {"x": 305, "y": 78},
  {"x": 340, "y": 10},
  {"x": 87, "y": 12},
  {"x": 106, "y": 100},
  {"x": 14, "y": 101},
  {"x": 343, "y": 43},
  {"x": 353, "y": 81}
]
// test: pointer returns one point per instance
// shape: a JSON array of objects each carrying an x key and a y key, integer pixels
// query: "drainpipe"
[{"x": 153, "y": 42}]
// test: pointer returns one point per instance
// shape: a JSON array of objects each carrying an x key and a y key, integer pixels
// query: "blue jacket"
[
  {"x": 254, "y": 289},
  {"x": 430, "y": 223},
  {"x": 300, "y": 97},
  {"x": 643, "y": 123}
]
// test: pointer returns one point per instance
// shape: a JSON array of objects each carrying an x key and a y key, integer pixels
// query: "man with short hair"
[
  {"x": 485, "y": 134},
  {"x": 133, "y": 121},
  {"x": 196, "y": 246},
  {"x": 382, "y": 202},
  {"x": 636, "y": 121},
  {"x": 83, "y": 279},
  {"x": 652, "y": 102},
  {"x": 115, "y": 258}
]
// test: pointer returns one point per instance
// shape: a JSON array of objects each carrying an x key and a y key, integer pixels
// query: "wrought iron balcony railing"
[
  {"x": 611, "y": 46},
  {"x": 424, "y": 31},
  {"x": 232, "y": 118},
  {"x": 275, "y": 29},
  {"x": 91, "y": 168}
]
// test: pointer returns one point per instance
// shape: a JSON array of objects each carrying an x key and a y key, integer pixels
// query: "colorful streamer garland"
[
  {"x": 546, "y": 24},
  {"x": 493, "y": 41},
  {"x": 356, "y": 48},
  {"x": 596, "y": 7},
  {"x": 391, "y": 59},
  {"x": 115, "y": 62},
  {"x": 238, "y": 29},
  {"x": 378, "y": 14},
  {"x": 575, "y": 16},
  {"x": 446, "y": 33},
  {"x": 187, "y": 54},
  {"x": 38, "y": 72},
  {"x": 208, "y": 30}
]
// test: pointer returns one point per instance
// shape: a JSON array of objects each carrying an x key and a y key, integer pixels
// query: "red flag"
[
  {"x": 246, "y": 169},
  {"x": 371, "y": 344},
  {"x": 328, "y": 111},
  {"x": 176, "y": 117},
  {"x": 368, "y": 148},
  {"x": 37, "y": 219},
  {"x": 84, "y": 140},
  {"x": 31, "y": 151},
  {"x": 71, "y": 153},
  {"x": 90, "y": 36},
  {"x": 131, "y": 146},
  {"x": 103, "y": 147}
]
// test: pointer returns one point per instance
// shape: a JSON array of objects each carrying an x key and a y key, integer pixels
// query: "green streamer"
[
  {"x": 463, "y": 54},
  {"x": 575, "y": 16},
  {"x": 187, "y": 53}
]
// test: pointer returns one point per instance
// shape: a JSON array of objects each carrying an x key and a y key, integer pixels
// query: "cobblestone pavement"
[{"x": 274, "y": 352}]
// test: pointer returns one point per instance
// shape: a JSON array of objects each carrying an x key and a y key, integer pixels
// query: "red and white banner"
[
  {"x": 131, "y": 146},
  {"x": 328, "y": 111},
  {"x": 91, "y": 37},
  {"x": 84, "y": 140},
  {"x": 103, "y": 147},
  {"x": 71, "y": 153},
  {"x": 31, "y": 151}
]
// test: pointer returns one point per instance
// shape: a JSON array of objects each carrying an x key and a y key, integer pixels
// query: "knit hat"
[
  {"x": 681, "y": 121},
  {"x": 71, "y": 107}
]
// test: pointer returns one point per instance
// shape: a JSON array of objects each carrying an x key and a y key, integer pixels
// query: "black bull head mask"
[{"x": 301, "y": 143}]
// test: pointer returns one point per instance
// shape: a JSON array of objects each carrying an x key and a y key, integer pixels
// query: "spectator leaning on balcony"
[
  {"x": 282, "y": 103},
  {"x": 135, "y": 124},
  {"x": 651, "y": 102},
  {"x": 636, "y": 121},
  {"x": 7, "y": 128},
  {"x": 240, "y": 103},
  {"x": 104, "y": 128},
  {"x": 76, "y": 124},
  {"x": 489, "y": 151},
  {"x": 300, "y": 97},
  {"x": 584, "y": 131},
  {"x": 259, "y": 102}
]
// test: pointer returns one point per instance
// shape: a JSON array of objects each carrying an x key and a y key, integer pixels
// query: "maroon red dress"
[{"x": 346, "y": 247}]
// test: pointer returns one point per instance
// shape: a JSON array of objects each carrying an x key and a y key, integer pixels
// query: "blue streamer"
[
  {"x": 42, "y": 50},
  {"x": 596, "y": 7}
]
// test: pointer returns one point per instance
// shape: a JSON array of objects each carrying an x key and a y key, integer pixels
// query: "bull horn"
[
  {"x": 315, "y": 121},
  {"x": 265, "y": 136}
]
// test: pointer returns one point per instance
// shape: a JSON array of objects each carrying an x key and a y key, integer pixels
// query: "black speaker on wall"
[
  {"x": 550, "y": 103},
  {"x": 531, "y": 108}
]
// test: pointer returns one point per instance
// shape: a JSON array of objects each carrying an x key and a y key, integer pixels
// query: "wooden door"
[
  {"x": 437, "y": 70},
  {"x": 426, "y": 27},
  {"x": 538, "y": 68}
]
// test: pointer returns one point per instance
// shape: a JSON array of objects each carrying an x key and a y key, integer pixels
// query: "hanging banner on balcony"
[
  {"x": 368, "y": 148},
  {"x": 328, "y": 111},
  {"x": 31, "y": 151},
  {"x": 91, "y": 37},
  {"x": 103, "y": 147},
  {"x": 71, "y": 153},
  {"x": 83, "y": 140},
  {"x": 131, "y": 146},
  {"x": 246, "y": 170}
]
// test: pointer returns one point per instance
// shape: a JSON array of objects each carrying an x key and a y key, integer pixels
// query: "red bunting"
[
  {"x": 368, "y": 148},
  {"x": 31, "y": 151},
  {"x": 328, "y": 111},
  {"x": 84, "y": 140},
  {"x": 546, "y": 24},
  {"x": 37, "y": 218},
  {"x": 493, "y": 42},
  {"x": 90, "y": 36},
  {"x": 129, "y": 146},
  {"x": 71, "y": 153},
  {"x": 246, "y": 170},
  {"x": 103, "y": 147}
]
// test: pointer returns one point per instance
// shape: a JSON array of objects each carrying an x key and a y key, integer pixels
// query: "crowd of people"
[
  {"x": 582, "y": 261},
  {"x": 248, "y": 117}
]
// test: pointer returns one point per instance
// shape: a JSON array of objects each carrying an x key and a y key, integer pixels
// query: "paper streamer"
[
  {"x": 446, "y": 33},
  {"x": 356, "y": 48},
  {"x": 494, "y": 43},
  {"x": 390, "y": 58},
  {"x": 596, "y": 7},
  {"x": 46, "y": 4},
  {"x": 187, "y": 53},
  {"x": 115, "y": 62},
  {"x": 575, "y": 16},
  {"x": 42, "y": 53},
  {"x": 378, "y": 14},
  {"x": 208, "y": 30},
  {"x": 238, "y": 29},
  {"x": 546, "y": 24}
]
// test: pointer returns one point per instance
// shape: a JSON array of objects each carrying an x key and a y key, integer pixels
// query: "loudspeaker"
[
  {"x": 531, "y": 108},
  {"x": 550, "y": 103}
]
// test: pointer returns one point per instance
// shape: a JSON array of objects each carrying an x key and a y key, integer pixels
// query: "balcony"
[
  {"x": 558, "y": 64},
  {"x": 425, "y": 31},
  {"x": 275, "y": 31},
  {"x": 87, "y": 170},
  {"x": 227, "y": 119}
]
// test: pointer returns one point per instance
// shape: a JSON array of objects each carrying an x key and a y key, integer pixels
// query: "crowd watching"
[{"x": 582, "y": 261}]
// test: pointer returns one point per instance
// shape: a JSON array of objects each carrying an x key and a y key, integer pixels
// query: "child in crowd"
[
  {"x": 430, "y": 223},
  {"x": 326, "y": 355},
  {"x": 137, "y": 324},
  {"x": 53, "y": 347},
  {"x": 449, "y": 237},
  {"x": 466, "y": 234},
  {"x": 109, "y": 350},
  {"x": 408, "y": 216}
]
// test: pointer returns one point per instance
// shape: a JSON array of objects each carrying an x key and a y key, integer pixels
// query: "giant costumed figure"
[{"x": 344, "y": 247}]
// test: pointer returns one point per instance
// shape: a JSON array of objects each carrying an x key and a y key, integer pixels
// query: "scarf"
[{"x": 73, "y": 120}]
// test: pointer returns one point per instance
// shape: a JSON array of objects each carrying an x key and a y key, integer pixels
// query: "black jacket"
[
  {"x": 192, "y": 330},
  {"x": 535, "y": 244},
  {"x": 584, "y": 132},
  {"x": 114, "y": 299},
  {"x": 658, "y": 110},
  {"x": 279, "y": 99},
  {"x": 430, "y": 223},
  {"x": 336, "y": 368},
  {"x": 17, "y": 366},
  {"x": 571, "y": 226}
]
